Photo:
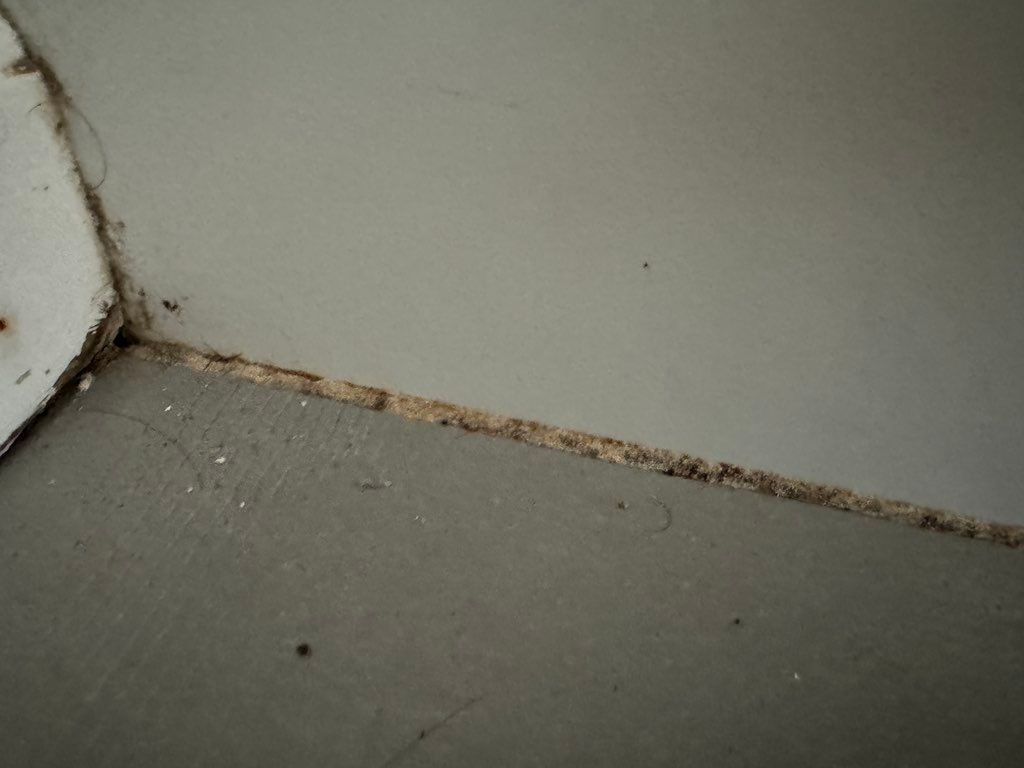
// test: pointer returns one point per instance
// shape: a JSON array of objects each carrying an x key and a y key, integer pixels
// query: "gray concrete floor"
[{"x": 465, "y": 601}]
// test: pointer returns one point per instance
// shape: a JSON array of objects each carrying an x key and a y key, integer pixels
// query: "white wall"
[
  {"x": 456, "y": 199},
  {"x": 54, "y": 286}
]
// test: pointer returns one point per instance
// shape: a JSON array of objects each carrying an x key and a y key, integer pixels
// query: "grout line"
[{"x": 581, "y": 443}]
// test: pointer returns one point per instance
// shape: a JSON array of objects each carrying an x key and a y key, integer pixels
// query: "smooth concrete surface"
[
  {"x": 787, "y": 235},
  {"x": 54, "y": 283},
  {"x": 466, "y": 601}
]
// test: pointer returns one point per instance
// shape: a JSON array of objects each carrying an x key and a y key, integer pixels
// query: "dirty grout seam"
[{"x": 581, "y": 443}]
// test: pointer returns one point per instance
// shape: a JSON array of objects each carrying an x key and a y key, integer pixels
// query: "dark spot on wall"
[
  {"x": 171, "y": 306},
  {"x": 303, "y": 650},
  {"x": 3, "y": 324}
]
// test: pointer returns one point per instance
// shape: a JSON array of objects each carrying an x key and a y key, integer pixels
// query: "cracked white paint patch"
[{"x": 55, "y": 288}]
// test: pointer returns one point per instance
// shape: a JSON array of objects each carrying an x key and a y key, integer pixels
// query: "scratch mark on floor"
[
  {"x": 668, "y": 515},
  {"x": 170, "y": 438},
  {"x": 427, "y": 732}
]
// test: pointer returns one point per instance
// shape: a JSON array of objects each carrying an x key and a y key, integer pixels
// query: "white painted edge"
[{"x": 55, "y": 285}]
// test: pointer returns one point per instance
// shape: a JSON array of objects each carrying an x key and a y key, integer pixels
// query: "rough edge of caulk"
[{"x": 581, "y": 443}]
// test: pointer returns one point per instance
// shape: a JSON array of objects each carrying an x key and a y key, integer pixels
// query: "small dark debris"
[
  {"x": 23, "y": 376},
  {"x": 615, "y": 689},
  {"x": 217, "y": 357},
  {"x": 123, "y": 338},
  {"x": 444, "y": 422},
  {"x": 3, "y": 324},
  {"x": 646, "y": 265},
  {"x": 736, "y": 621},
  {"x": 303, "y": 650},
  {"x": 423, "y": 735},
  {"x": 622, "y": 505},
  {"x": 171, "y": 306}
]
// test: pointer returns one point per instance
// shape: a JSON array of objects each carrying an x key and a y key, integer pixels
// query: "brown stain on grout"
[{"x": 580, "y": 443}]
